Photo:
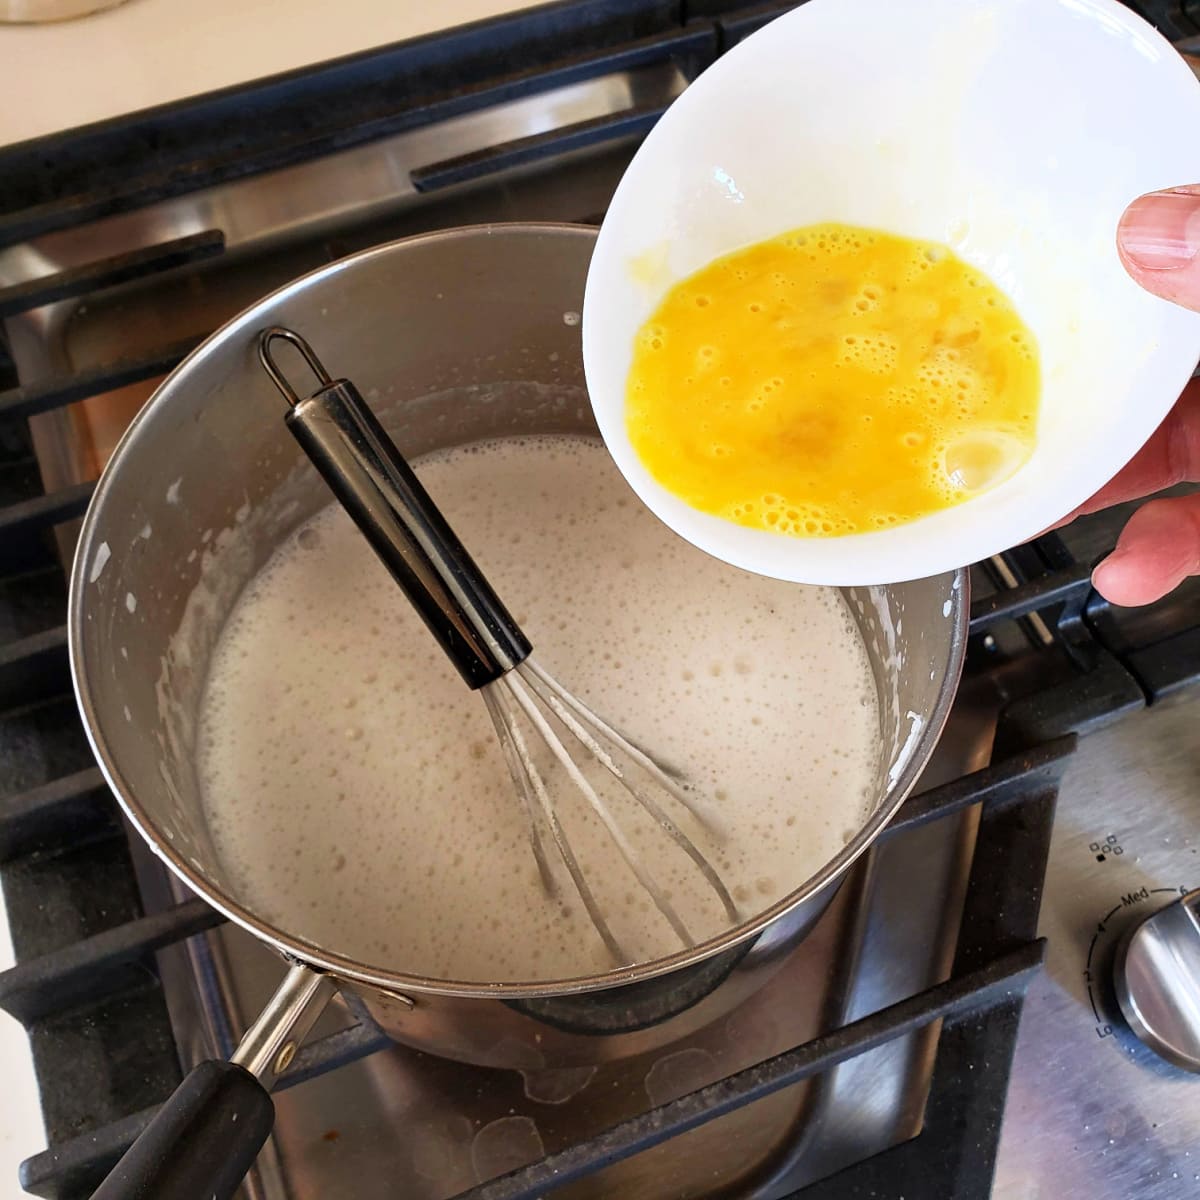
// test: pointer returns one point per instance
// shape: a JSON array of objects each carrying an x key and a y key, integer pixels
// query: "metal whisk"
[{"x": 386, "y": 501}]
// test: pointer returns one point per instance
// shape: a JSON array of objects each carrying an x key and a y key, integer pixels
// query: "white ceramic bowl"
[{"x": 1016, "y": 131}]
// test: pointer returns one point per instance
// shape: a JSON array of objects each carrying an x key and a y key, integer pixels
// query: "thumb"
[
  {"x": 1157, "y": 550},
  {"x": 1159, "y": 242}
]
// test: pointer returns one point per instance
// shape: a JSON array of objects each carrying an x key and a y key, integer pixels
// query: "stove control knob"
[{"x": 1158, "y": 981}]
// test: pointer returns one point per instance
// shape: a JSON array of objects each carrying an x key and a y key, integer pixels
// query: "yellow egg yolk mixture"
[{"x": 833, "y": 380}]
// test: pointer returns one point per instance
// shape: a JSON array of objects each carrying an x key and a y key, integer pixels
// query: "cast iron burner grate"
[{"x": 86, "y": 985}]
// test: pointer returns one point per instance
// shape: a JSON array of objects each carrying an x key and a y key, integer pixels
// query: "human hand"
[{"x": 1159, "y": 243}]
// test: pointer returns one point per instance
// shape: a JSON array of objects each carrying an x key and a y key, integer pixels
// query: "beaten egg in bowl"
[{"x": 833, "y": 380}]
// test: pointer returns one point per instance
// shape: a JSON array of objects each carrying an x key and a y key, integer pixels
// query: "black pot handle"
[
  {"x": 200, "y": 1143},
  {"x": 206, "y": 1136}
]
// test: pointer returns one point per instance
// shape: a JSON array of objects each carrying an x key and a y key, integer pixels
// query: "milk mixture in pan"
[{"x": 354, "y": 786}]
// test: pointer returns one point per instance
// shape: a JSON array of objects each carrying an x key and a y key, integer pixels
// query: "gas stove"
[{"x": 924, "y": 1041}]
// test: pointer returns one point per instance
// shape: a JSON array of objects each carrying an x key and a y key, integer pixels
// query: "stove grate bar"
[
  {"x": 1059, "y": 587},
  {"x": 28, "y": 401},
  {"x": 109, "y": 272},
  {"x": 34, "y": 669},
  {"x": 63, "y": 812},
  {"x": 1168, "y": 666},
  {"x": 75, "y": 1166},
  {"x": 734, "y": 29},
  {"x": 42, "y": 511},
  {"x": 465, "y": 168},
  {"x": 1011, "y": 781},
  {"x": 57, "y": 982},
  {"x": 956, "y": 999}
]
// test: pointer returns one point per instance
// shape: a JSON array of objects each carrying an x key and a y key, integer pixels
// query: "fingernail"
[{"x": 1161, "y": 231}]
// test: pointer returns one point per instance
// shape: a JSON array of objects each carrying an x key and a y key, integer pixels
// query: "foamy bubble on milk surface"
[{"x": 353, "y": 784}]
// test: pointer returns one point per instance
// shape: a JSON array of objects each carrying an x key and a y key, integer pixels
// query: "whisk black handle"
[{"x": 387, "y": 502}]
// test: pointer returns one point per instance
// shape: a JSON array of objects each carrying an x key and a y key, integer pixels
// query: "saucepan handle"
[
  {"x": 204, "y": 1139},
  {"x": 201, "y": 1142}
]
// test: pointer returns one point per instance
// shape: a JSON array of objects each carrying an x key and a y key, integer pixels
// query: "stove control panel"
[{"x": 1104, "y": 1099}]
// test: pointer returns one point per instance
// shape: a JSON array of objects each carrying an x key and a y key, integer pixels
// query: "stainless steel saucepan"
[{"x": 453, "y": 337}]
